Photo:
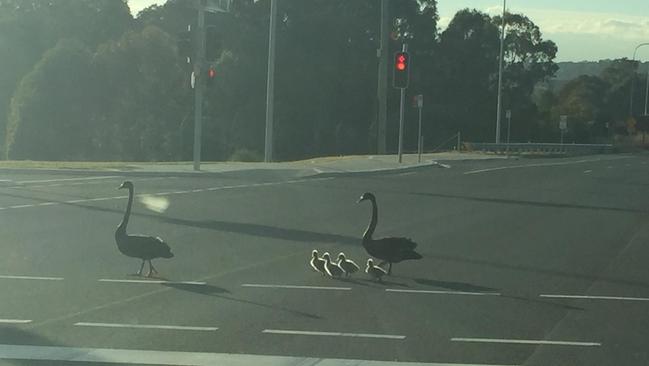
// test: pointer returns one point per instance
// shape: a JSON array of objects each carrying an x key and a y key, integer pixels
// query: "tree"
[
  {"x": 144, "y": 97},
  {"x": 52, "y": 105},
  {"x": 28, "y": 28}
]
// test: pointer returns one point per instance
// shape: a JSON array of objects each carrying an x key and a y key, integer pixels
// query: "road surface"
[{"x": 526, "y": 262}]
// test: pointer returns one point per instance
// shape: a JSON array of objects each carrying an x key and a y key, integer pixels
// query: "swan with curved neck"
[
  {"x": 143, "y": 247},
  {"x": 391, "y": 249}
]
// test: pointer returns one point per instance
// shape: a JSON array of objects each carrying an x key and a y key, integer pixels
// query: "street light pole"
[
  {"x": 500, "y": 75},
  {"x": 270, "y": 86},
  {"x": 199, "y": 85},
  {"x": 633, "y": 81},
  {"x": 382, "y": 87}
]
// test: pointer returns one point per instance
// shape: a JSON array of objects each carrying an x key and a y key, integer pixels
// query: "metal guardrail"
[{"x": 518, "y": 148}]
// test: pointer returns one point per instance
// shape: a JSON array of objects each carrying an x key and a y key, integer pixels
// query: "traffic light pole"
[
  {"x": 199, "y": 84},
  {"x": 401, "y": 111}
]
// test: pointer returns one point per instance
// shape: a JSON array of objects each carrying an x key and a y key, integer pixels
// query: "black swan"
[
  {"x": 139, "y": 246},
  {"x": 389, "y": 250},
  {"x": 375, "y": 271},
  {"x": 332, "y": 269},
  {"x": 317, "y": 263},
  {"x": 347, "y": 265}
]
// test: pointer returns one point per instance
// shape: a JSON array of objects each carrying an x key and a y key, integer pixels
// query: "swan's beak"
[
  {"x": 360, "y": 199},
  {"x": 121, "y": 186}
]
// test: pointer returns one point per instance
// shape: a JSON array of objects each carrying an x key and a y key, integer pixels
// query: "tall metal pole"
[
  {"x": 270, "y": 86},
  {"x": 199, "y": 84},
  {"x": 382, "y": 87},
  {"x": 500, "y": 75},
  {"x": 401, "y": 112},
  {"x": 646, "y": 93},
  {"x": 509, "y": 127},
  {"x": 633, "y": 79},
  {"x": 420, "y": 141}
]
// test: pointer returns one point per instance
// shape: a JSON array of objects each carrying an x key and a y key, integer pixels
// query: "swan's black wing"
[
  {"x": 402, "y": 243},
  {"x": 147, "y": 247},
  {"x": 392, "y": 249}
]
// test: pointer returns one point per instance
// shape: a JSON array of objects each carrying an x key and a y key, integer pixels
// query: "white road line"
[
  {"x": 10, "y": 277},
  {"x": 157, "y": 357},
  {"x": 527, "y": 341},
  {"x": 167, "y": 193},
  {"x": 155, "y": 282},
  {"x": 143, "y": 326},
  {"x": 298, "y": 287},
  {"x": 66, "y": 179},
  {"x": 540, "y": 165},
  {"x": 587, "y": 171},
  {"x": 333, "y": 334},
  {"x": 21, "y": 206},
  {"x": 623, "y": 298},
  {"x": 440, "y": 292},
  {"x": 14, "y": 321}
]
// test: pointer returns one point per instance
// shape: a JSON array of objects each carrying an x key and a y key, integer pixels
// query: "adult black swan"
[
  {"x": 143, "y": 247},
  {"x": 389, "y": 250}
]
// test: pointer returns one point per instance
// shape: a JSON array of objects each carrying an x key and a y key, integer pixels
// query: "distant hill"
[{"x": 570, "y": 70}]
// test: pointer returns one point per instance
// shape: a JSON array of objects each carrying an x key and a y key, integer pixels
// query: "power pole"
[
  {"x": 199, "y": 84},
  {"x": 382, "y": 86},
  {"x": 270, "y": 86}
]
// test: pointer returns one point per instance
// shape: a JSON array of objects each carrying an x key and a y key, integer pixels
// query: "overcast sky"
[{"x": 582, "y": 29}]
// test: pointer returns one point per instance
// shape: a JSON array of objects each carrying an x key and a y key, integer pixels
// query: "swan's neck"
[
  {"x": 127, "y": 214},
  {"x": 370, "y": 228}
]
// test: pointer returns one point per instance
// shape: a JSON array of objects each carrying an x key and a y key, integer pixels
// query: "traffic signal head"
[
  {"x": 401, "y": 70},
  {"x": 211, "y": 76}
]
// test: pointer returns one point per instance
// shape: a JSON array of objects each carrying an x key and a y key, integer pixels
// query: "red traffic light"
[
  {"x": 401, "y": 61},
  {"x": 401, "y": 70},
  {"x": 211, "y": 73}
]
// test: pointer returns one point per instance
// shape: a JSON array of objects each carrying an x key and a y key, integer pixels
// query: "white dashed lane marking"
[
  {"x": 15, "y": 321},
  {"x": 66, "y": 179},
  {"x": 332, "y": 334},
  {"x": 11, "y": 277},
  {"x": 527, "y": 341},
  {"x": 297, "y": 287},
  {"x": 439, "y": 292},
  {"x": 145, "y": 326},
  {"x": 586, "y": 297},
  {"x": 154, "y": 282},
  {"x": 587, "y": 171}
]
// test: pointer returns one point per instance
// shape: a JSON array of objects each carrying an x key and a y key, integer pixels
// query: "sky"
[{"x": 584, "y": 30}]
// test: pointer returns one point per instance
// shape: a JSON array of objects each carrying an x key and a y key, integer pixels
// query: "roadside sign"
[
  {"x": 563, "y": 122},
  {"x": 420, "y": 101},
  {"x": 508, "y": 113}
]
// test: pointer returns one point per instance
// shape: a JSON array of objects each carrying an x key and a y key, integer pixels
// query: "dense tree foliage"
[{"x": 83, "y": 79}]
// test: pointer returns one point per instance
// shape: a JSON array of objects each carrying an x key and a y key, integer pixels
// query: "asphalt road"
[{"x": 526, "y": 262}]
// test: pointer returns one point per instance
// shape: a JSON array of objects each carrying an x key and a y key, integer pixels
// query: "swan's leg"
[
  {"x": 139, "y": 273},
  {"x": 151, "y": 269}
]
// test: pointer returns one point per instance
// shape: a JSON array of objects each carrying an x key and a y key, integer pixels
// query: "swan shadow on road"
[
  {"x": 265, "y": 231},
  {"x": 205, "y": 289},
  {"x": 454, "y": 286},
  {"x": 218, "y": 292}
]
